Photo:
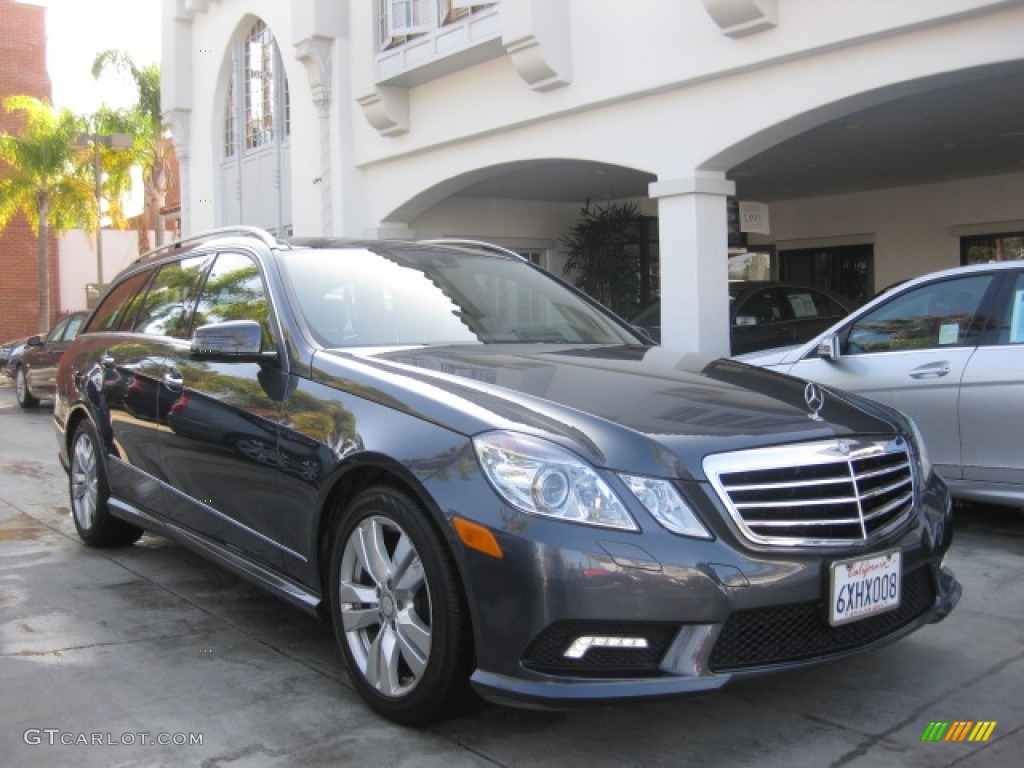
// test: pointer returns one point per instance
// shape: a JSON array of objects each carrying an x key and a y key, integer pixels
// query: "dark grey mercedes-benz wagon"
[{"x": 487, "y": 482}]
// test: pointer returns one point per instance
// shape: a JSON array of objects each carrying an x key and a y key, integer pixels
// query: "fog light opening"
[{"x": 584, "y": 643}]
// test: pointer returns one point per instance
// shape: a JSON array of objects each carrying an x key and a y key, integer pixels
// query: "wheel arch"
[{"x": 369, "y": 471}]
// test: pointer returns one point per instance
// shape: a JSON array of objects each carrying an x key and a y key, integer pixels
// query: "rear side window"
[
  {"x": 120, "y": 305},
  {"x": 1012, "y": 328},
  {"x": 165, "y": 309}
]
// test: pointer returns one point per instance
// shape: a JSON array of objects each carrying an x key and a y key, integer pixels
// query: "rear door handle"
[{"x": 931, "y": 371}]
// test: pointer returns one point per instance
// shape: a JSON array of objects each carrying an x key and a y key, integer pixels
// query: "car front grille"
[
  {"x": 825, "y": 493},
  {"x": 789, "y": 633}
]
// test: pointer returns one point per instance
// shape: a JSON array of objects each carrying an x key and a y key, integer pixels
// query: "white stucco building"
[{"x": 876, "y": 139}]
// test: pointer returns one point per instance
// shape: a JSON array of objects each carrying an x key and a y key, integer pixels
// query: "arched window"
[
  {"x": 255, "y": 136},
  {"x": 264, "y": 114},
  {"x": 230, "y": 126},
  {"x": 260, "y": 88}
]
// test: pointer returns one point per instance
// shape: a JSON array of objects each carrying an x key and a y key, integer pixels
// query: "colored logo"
[{"x": 958, "y": 730}]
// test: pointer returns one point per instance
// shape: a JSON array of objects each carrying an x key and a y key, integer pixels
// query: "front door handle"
[
  {"x": 931, "y": 371},
  {"x": 173, "y": 380}
]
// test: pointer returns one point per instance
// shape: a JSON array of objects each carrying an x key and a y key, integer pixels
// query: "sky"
[{"x": 77, "y": 30}]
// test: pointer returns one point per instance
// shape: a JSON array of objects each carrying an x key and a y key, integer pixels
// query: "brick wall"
[{"x": 22, "y": 70}]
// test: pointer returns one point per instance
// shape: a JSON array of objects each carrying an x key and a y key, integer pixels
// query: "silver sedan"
[{"x": 947, "y": 349}]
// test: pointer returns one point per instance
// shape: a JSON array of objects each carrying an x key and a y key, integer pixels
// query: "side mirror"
[
  {"x": 34, "y": 341},
  {"x": 829, "y": 347},
  {"x": 234, "y": 341}
]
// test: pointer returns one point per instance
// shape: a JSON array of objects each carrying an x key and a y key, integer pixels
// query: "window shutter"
[{"x": 410, "y": 17}]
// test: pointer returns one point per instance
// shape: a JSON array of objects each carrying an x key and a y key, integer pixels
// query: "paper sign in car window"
[
  {"x": 949, "y": 333},
  {"x": 802, "y": 304}
]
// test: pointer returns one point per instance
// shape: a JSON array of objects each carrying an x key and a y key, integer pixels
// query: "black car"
[
  {"x": 487, "y": 482},
  {"x": 7, "y": 349},
  {"x": 767, "y": 314},
  {"x": 33, "y": 365}
]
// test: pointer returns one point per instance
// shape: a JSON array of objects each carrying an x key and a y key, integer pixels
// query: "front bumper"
[
  {"x": 706, "y": 611},
  {"x": 704, "y": 658}
]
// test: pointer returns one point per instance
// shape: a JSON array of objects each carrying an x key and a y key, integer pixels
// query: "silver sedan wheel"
[
  {"x": 385, "y": 606},
  {"x": 84, "y": 482}
]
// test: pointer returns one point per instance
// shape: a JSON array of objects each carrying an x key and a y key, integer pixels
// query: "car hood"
[
  {"x": 773, "y": 357},
  {"x": 634, "y": 408}
]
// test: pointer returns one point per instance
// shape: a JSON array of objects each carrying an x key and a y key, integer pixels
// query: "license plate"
[{"x": 864, "y": 587}]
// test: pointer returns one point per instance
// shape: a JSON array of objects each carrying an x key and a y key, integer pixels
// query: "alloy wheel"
[
  {"x": 385, "y": 606},
  {"x": 84, "y": 481}
]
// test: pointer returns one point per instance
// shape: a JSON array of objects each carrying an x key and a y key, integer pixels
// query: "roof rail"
[
  {"x": 260, "y": 234},
  {"x": 481, "y": 244}
]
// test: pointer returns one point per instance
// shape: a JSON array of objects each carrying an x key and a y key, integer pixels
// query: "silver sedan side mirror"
[{"x": 828, "y": 349}]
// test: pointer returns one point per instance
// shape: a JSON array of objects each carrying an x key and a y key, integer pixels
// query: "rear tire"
[
  {"x": 21, "y": 390},
  {"x": 397, "y": 610},
  {"x": 87, "y": 484}
]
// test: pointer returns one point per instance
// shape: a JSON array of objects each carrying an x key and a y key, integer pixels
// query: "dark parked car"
[
  {"x": 487, "y": 482},
  {"x": 7, "y": 349},
  {"x": 33, "y": 366},
  {"x": 946, "y": 349},
  {"x": 763, "y": 315}
]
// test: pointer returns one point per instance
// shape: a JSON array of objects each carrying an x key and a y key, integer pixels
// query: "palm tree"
[
  {"x": 116, "y": 164},
  {"x": 44, "y": 180},
  {"x": 151, "y": 148}
]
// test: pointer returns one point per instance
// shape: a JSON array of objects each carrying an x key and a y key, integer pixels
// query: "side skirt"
[{"x": 291, "y": 591}]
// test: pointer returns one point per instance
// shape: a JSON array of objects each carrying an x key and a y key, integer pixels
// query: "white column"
[{"x": 693, "y": 234}]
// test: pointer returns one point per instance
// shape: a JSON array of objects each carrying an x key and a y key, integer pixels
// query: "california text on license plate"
[{"x": 864, "y": 587}]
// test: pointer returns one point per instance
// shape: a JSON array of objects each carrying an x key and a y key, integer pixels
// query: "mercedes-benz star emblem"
[{"x": 815, "y": 399}]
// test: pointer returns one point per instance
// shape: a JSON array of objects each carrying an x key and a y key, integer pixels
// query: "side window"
[
  {"x": 762, "y": 306},
  {"x": 939, "y": 314},
  {"x": 807, "y": 303},
  {"x": 120, "y": 304},
  {"x": 73, "y": 327},
  {"x": 165, "y": 309},
  {"x": 234, "y": 291},
  {"x": 1012, "y": 328},
  {"x": 56, "y": 331}
]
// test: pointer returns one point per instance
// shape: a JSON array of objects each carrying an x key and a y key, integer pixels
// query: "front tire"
[
  {"x": 21, "y": 390},
  {"x": 87, "y": 484},
  {"x": 397, "y": 610}
]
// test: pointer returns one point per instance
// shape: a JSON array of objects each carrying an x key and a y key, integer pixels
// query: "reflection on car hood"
[
  {"x": 643, "y": 409},
  {"x": 772, "y": 356}
]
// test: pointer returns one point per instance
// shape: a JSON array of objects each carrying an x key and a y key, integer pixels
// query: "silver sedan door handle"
[{"x": 930, "y": 371}]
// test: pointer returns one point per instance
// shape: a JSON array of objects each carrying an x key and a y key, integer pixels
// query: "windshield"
[{"x": 414, "y": 294}]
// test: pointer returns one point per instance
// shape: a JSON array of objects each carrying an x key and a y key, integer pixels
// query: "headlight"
[
  {"x": 663, "y": 501},
  {"x": 543, "y": 479}
]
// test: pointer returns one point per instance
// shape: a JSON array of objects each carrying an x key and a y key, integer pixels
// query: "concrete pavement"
[{"x": 104, "y": 654}]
